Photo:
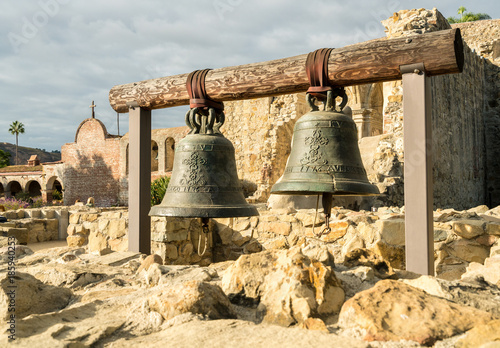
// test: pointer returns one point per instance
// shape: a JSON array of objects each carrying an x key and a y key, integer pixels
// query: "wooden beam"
[{"x": 367, "y": 62}]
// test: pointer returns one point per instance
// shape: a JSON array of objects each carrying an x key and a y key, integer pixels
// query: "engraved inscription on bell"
[{"x": 204, "y": 181}]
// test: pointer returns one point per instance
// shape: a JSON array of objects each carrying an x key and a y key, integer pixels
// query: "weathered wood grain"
[{"x": 367, "y": 62}]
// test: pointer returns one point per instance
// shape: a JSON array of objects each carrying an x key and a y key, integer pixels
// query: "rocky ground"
[{"x": 65, "y": 297}]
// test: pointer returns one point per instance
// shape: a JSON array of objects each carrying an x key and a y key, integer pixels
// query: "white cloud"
[{"x": 75, "y": 51}]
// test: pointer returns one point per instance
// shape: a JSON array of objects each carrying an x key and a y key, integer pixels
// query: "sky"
[{"x": 57, "y": 56}]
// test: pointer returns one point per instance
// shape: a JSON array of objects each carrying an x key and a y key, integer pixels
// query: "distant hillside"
[{"x": 25, "y": 153}]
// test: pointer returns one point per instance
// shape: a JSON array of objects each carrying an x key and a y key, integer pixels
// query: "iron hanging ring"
[
  {"x": 310, "y": 100},
  {"x": 187, "y": 119},
  {"x": 340, "y": 92},
  {"x": 220, "y": 118},
  {"x": 197, "y": 119},
  {"x": 192, "y": 122}
]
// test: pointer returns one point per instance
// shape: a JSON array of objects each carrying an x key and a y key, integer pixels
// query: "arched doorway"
[
  {"x": 169, "y": 154},
  {"x": 2, "y": 192},
  {"x": 376, "y": 105},
  {"x": 13, "y": 188},
  {"x": 154, "y": 156},
  {"x": 34, "y": 189},
  {"x": 55, "y": 189},
  {"x": 126, "y": 160}
]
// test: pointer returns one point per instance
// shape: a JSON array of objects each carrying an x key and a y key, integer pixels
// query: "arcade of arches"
[{"x": 32, "y": 185}]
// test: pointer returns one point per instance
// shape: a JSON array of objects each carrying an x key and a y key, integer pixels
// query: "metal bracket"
[
  {"x": 132, "y": 104},
  {"x": 415, "y": 68}
]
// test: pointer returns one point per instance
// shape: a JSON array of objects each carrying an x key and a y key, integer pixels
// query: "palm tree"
[
  {"x": 16, "y": 128},
  {"x": 461, "y": 11}
]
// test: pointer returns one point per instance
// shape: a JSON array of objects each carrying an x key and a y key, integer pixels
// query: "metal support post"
[
  {"x": 418, "y": 179},
  {"x": 139, "y": 179}
]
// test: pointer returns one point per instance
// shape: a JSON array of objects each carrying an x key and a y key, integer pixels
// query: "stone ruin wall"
[
  {"x": 464, "y": 116},
  {"x": 462, "y": 239},
  {"x": 484, "y": 38},
  {"x": 458, "y": 112},
  {"x": 163, "y": 142},
  {"x": 261, "y": 131}
]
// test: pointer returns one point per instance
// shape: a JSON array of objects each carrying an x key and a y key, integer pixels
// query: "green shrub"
[
  {"x": 37, "y": 202},
  {"x": 23, "y": 196},
  {"x": 158, "y": 189},
  {"x": 57, "y": 195}
]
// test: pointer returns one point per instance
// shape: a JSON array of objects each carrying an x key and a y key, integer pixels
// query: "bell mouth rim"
[
  {"x": 204, "y": 211},
  {"x": 315, "y": 193}
]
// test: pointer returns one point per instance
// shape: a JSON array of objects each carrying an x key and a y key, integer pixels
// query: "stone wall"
[
  {"x": 261, "y": 131},
  {"x": 102, "y": 229},
  {"x": 163, "y": 142},
  {"x": 483, "y": 38},
  {"x": 458, "y": 135},
  {"x": 35, "y": 225},
  {"x": 460, "y": 237}
]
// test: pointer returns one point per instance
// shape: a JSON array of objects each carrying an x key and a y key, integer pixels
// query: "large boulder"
[
  {"x": 192, "y": 297},
  {"x": 288, "y": 286},
  {"x": 490, "y": 271},
  {"x": 393, "y": 311},
  {"x": 483, "y": 336},
  {"x": 473, "y": 292},
  {"x": 28, "y": 295}
]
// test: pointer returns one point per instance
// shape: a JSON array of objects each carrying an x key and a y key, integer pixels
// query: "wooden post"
[
  {"x": 367, "y": 62},
  {"x": 419, "y": 226},
  {"x": 139, "y": 179}
]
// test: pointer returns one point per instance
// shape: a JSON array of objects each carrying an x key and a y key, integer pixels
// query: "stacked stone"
[
  {"x": 103, "y": 230},
  {"x": 177, "y": 241},
  {"x": 461, "y": 238},
  {"x": 30, "y": 225}
]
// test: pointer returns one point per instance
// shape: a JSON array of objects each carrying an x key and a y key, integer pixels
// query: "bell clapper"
[
  {"x": 316, "y": 215},
  {"x": 327, "y": 208},
  {"x": 327, "y": 201},
  {"x": 205, "y": 230}
]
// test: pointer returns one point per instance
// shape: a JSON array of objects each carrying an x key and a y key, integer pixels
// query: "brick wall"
[{"x": 92, "y": 165}]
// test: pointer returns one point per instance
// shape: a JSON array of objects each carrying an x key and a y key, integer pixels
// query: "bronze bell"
[
  {"x": 325, "y": 157},
  {"x": 204, "y": 180}
]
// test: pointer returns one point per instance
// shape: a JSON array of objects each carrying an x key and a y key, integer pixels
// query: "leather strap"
[
  {"x": 317, "y": 72},
  {"x": 198, "y": 97}
]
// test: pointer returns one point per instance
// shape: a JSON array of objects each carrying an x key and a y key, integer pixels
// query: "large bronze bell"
[
  {"x": 204, "y": 180},
  {"x": 325, "y": 157}
]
